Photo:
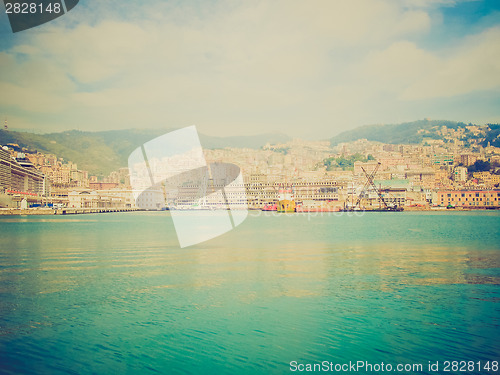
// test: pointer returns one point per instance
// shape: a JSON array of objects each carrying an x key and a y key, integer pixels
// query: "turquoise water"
[{"x": 113, "y": 293}]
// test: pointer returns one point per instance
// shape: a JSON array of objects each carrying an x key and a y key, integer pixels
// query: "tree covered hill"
[
  {"x": 419, "y": 131},
  {"x": 106, "y": 151}
]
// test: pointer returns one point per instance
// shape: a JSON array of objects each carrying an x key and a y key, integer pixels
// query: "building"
[
  {"x": 19, "y": 175},
  {"x": 102, "y": 185},
  {"x": 469, "y": 198},
  {"x": 460, "y": 174},
  {"x": 443, "y": 159},
  {"x": 468, "y": 159},
  {"x": 86, "y": 198}
]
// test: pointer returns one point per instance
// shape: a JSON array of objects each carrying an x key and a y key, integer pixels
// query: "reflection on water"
[{"x": 114, "y": 293}]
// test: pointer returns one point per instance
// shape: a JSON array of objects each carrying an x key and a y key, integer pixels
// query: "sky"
[{"x": 308, "y": 69}]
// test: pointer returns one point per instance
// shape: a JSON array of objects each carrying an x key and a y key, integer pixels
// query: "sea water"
[{"x": 114, "y": 293}]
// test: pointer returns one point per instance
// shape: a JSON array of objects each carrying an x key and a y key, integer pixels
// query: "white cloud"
[
  {"x": 474, "y": 66},
  {"x": 271, "y": 65}
]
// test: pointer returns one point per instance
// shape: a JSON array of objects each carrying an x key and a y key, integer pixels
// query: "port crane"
[
  {"x": 369, "y": 181},
  {"x": 369, "y": 178}
]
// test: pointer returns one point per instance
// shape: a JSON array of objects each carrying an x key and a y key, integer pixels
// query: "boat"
[
  {"x": 315, "y": 206},
  {"x": 383, "y": 209},
  {"x": 286, "y": 202},
  {"x": 387, "y": 209},
  {"x": 270, "y": 207}
]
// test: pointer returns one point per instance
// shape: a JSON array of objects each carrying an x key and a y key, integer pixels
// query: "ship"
[
  {"x": 286, "y": 201},
  {"x": 317, "y": 206},
  {"x": 270, "y": 207}
]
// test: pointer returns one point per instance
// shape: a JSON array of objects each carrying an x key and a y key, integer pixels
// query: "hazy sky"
[{"x": 305, "y": 68}]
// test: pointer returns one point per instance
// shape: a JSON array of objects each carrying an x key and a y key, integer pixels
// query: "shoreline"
[
  {"x": 61, "y": 211},
  {"x": 83, "y": 211}
]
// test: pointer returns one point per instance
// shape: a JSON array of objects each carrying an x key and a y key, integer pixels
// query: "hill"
[
  {"x": 422, "y": 130},
  {"x": 103, "y": 152},
  {"x": 408, "y": 132}
]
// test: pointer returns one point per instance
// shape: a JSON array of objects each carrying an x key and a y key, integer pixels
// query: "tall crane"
[
  {"x": 370, "y": 182},
  {"x": 367, "y": 183}
]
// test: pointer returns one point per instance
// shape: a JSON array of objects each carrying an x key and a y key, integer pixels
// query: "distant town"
[{"x": 450, "y": 172}]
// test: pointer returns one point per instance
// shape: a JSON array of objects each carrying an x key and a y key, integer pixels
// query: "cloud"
[
  {"x": 264, "y": 65},
  {"x": 473, "y": 66}
]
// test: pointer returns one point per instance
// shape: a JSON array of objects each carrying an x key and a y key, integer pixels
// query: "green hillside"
[
  {"x": 419, "y": 131},
  {"x": 407, "y": 132},
  {"x": 106, "y": 151}
]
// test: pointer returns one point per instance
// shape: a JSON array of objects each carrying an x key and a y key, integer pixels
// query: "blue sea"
[{"x": 115, "y": 294}]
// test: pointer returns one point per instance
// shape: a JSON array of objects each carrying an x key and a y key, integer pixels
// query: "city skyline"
[{"x": 253, "y": 68}]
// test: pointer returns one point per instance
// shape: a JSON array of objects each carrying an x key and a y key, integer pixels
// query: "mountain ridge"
[
  {"x": 419, "y": 131},
  {"x": 106, "y": 151}
]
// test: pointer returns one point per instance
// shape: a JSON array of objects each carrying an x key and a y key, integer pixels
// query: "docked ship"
[
  {"x": 286, "y": 201},
  {"x": 270, "y": 207},
  {"x": 316, "y": 206}
]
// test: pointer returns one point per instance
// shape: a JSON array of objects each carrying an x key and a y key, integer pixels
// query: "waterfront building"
[
  {"x": 469, "y": 198},
  {"x": 100, "y": 199}
]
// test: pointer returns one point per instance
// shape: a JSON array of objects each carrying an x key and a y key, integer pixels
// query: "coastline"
[
  {"x": 61, "y": 211},
  {"x": 82, "y": 211}
]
